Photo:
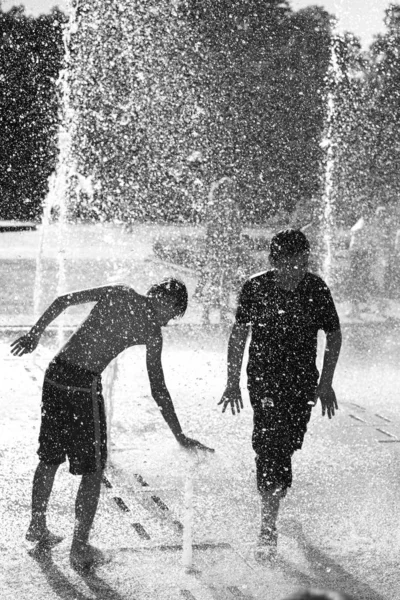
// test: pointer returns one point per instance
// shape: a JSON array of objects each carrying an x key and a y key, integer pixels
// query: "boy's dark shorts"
[
  {"x": 278, "y": 431},
  {"x": 73, "y": 419}
]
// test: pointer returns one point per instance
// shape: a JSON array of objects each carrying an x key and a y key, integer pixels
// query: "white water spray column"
[
  {"x": 191, "y": 463},
  {"x": 59, "y": 184},
  {"x": 187, "y": 538},
  {"x": 329, "y": 144}
]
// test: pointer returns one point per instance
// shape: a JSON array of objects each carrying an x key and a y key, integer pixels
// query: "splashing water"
[
  {"x": 139, "y": 118},
  {"x": 328, "y": 144},
  {"x": 56, "y": 200}
]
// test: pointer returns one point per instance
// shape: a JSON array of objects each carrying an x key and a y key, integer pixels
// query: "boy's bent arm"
[
  {"x": 162, "y": 397},
  {"x": 236, "y": 346},
  {"x": 158, "y": 386},
  {"x": 28, "y": 342},
  {"x": 325, "y": 390},
  {"x": 332, "y": 351}
]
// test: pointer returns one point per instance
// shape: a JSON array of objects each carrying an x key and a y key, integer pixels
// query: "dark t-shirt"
[{"x": 284, "y": 327}]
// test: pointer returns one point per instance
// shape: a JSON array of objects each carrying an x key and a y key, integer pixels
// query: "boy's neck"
[{"x": 286, "y": 284}]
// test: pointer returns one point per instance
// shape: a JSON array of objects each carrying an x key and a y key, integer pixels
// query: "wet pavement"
[{"x": 338, "y": 527}]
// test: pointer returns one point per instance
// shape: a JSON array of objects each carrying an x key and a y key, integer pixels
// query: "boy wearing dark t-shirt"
[{"x": 283, "y": 309}]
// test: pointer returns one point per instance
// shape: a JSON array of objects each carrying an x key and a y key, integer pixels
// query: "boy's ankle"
[
  {"x": 37, "y": 525},
  {"x": 79, "y": 544},
  {"x": 268, "y": 535}
]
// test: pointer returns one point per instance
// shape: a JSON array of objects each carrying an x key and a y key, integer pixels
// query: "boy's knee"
[
  {"x": 48, "y": 466},
  {"x": 274, "y": 476},
  {"x": 94, "y": 475},
  {"x": 272, "y": 491}
]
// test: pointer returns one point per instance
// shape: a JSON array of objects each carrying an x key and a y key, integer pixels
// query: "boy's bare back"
[{"x": 120, "y": 318}]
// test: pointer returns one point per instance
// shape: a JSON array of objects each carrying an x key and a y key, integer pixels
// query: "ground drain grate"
[
  {"x": 383, "y": 418},
  {"x": 201, "y": 546},
  {"x": 188, "y": 595},
  {"x": 121, "y": 504},
  {"x": 357, "y": 418},
  {"x": 237, "y": 593},
  {"x": 140, "y": 530},
  {"x": 106, "y": 482},
  {"x": 358, "y": 406},
  {"x": 140, "y": 480},
  {"x": 385, "y": 433},
  {"x": 159, "y": 503}
]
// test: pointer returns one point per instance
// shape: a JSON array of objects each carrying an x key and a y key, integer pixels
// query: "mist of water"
[{"x": 329, "y": 143}]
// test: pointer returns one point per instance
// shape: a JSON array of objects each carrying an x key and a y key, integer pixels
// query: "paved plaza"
[{"x": 338, "y": 527}]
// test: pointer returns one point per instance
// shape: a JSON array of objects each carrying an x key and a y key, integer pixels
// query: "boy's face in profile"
[
  {"x": 291, "y": 269},
  {"x": 166, "y": 310}
]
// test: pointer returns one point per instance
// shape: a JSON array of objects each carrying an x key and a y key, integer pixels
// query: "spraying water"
[
  {"x": 328, "y": 143},
  {"x": 56, "y": 201}
]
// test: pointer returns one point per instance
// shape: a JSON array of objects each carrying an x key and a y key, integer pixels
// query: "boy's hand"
[
  {"x": 25, "y": 344},
  {"x": 233, "y": 396},
  {"x": 191, "y": 444},
  {"x": 328, "y": 399}
]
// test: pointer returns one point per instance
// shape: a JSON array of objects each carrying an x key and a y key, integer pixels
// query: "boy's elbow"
[
  {"x": 157, "y": 385},
  {"x": 240, "y": 332},
  {"x": 61, "y": 303},
  {"x": 338, "y": 335}
]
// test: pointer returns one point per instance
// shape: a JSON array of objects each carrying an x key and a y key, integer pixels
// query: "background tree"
[
  {"x": 368, "y": 123},
  {"x": 171, "y": 96},
  {"x": 31, "y": 55},
  {"x": 263, "y": 71}
]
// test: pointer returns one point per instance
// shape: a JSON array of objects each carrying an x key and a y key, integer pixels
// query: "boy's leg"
[
  {"x": 42, "y": 486},
  {"x": 82, "y": 554},
  {"x": 274, "y": 471},
  {"x": 86, "y": 503},
  {"x": 271, "y": 492},
  {"x": 269, "y": 514},
  {"x": 88, "y": 456}
]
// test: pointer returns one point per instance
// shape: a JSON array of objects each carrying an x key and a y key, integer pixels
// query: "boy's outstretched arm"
[
  {"x": 236, "y": 345},
  {"x": 28, "y": 342},
  {"x": 325, "y": 390},
  {"x": 162, "y": 396}
]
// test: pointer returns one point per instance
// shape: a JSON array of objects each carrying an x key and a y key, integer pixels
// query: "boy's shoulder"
[
  {"x": 126, "y": 295},
  {"x": 263, "y": 277},
  {"x": 139, "y": 305},
  {"x": 315, "y": 281},
  {"x": 266, "y": 279},
  {"x": 124, "y": 290}
]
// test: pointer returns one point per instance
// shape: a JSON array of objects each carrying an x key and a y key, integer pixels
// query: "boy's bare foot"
[
  {"x": 42, "y": 536},
  {"x": 265, "y": 554},
  {"x": 83, "y": 557}
]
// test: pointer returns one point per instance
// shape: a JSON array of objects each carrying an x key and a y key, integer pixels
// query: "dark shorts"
[
  {"x": 279, "y": 428},
  {"x": 73, "y": 421}
]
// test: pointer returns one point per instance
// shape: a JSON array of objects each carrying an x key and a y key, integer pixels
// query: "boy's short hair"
[
  {"x": 173, "y": 289},
  {"x": 287, "y": 243}
]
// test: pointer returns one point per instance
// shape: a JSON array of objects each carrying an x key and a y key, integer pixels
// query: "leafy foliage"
[
  {"x": 167, "y": 97},
  {"x": 30, "y": 57}
]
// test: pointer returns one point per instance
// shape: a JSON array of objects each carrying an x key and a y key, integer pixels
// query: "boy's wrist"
[
  {"x": 323, "y": 382},
  {"x": 235, "y": 383}
]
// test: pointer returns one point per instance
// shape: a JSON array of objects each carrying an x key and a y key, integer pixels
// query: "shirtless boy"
[
  {"x": 283, "y": 309},
  {"x": 73, "y": 421}
]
